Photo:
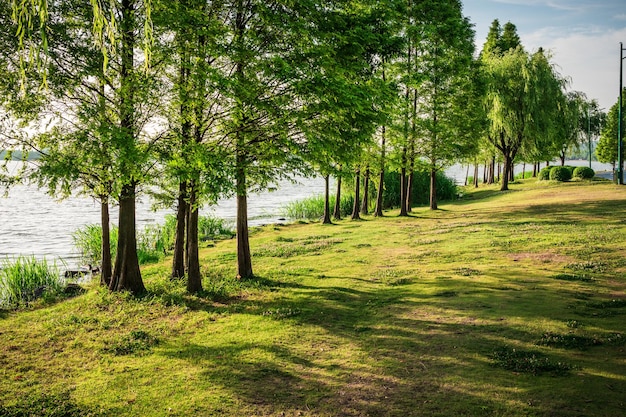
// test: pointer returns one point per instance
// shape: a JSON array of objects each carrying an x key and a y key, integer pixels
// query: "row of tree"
[{"x": 193, "y": 100}]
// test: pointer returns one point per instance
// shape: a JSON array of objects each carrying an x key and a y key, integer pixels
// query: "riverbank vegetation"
[{"x": 495, "y": 304}]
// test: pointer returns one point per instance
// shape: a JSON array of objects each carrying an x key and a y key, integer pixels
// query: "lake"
[{"x": 35, "y": 224}]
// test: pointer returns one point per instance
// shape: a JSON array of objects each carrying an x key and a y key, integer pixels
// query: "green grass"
[{"x": 499, "y": 304}]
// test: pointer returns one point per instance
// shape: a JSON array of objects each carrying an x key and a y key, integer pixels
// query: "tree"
[
  {"x": 607, "y": 146},
  {"x": 523, "y": 95},
  {"x": 447, "y": 98}
]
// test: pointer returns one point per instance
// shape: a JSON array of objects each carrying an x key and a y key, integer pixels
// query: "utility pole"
[{"x": 620, "y": 162}]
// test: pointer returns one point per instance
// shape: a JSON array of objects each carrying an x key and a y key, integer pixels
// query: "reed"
[
  {"x": 312, "y": 208},
  {"x": 26, "y": 278}
]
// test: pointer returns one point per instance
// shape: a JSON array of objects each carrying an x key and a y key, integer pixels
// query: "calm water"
[{"x": 35, "y": 224}]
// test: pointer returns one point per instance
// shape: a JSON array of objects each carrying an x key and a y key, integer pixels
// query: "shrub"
[
  {"x": 420, "y": 189},
  {"x": 584, "y": 173},
  {"x": 560, "y": 174},
  {"x": 25, "y": 279},
  {"x": 544, "y": 174}
]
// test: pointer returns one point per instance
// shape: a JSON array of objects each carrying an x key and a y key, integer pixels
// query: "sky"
[{"x": 583, "y": 35}]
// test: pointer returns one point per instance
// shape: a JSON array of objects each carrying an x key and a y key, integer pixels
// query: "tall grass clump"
[
  {"x": 88, "y": 241},
  {"x": 153, "y": 242},
  {"x": 312, "y": 208},
  {"x": 25, "y": 279}
]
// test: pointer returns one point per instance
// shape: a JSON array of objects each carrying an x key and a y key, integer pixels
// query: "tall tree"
[{"x": 607, "y": 146}]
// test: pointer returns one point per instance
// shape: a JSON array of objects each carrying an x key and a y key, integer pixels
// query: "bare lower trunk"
[
  {"x": 357, "y": 196},
  {"x": 476, "y": 176},
  {"x": 106, "y": 266},
  {"x": 366, "y": 184},
  {"x": 337, "y": 209},
  {"x": 126, "y": 274},
  {"x": 403, "y": 211},
  {"x": 194, "y": 279},
  {"x": 409, "y": 193},
  {"x": 178, "y": 261},
  {"x": 505, "y": 175},
  {"x": 244, "y": 257},
  {"x": 327, "y": 200},
  {"x": 433, "y": 189},
  {"x": 378, "y": 211},
  {"x": 466, "y": 174}
]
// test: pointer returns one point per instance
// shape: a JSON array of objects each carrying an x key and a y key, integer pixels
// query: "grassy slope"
[{"x": 381, "y": 317}]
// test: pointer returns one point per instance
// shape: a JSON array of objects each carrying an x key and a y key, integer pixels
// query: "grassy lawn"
[{"x": 499, "y": 304}]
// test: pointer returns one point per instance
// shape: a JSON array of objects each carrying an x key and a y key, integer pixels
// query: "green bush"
[
  {"x": 420, "y": 190},
  {"x": 88, "y": 241},
  {"x": 25, "y": 279},
  {"x": 560, "y": 174},
  {"x": 544, "y": 174},
  {"x": 584, "y": 173}
]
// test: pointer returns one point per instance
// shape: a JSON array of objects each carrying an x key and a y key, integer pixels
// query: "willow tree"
[{"x": 522, "y": 101}]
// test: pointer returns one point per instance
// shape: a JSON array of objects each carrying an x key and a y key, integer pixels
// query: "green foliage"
[
  {"x": 528, "y": 362},
  {"x": 25, "y": 279},
  {"x": 544, "y": 174},
  {"x": 584, "y": 173},
  {"x": 420, "y": 190},
  {"x": 560, "y": 174},
  {"x": 211, "y": 227}
]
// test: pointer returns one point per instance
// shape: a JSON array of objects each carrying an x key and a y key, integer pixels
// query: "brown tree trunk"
[
  {"x": 337, "y": 208},
  {"x": 433, "y": 189},
  {"x": 378, "y": 211},
  {"x": 178, "y": 261},
  {"x": 327, "y": 200},
  {"x": 475, "y": 175},
  {"x": 403, "y": 211},
  {"x": 366, "y": 184},
  {"x": 357, "y": 196},
  {"x": 466, "y": 174},
  {"x": 106, "y": 267},
  {"x": 505, "y": 174},
  {"x": 194, "y": 279},
  {"x": 409, "y": 192},
  {"x": 512, "y": 172},
  {"x": 126, "y": 274},
  {"x": 244, "y": 257}
]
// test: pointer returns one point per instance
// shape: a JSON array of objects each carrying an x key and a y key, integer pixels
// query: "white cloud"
[{"x": 590, "y": 58}]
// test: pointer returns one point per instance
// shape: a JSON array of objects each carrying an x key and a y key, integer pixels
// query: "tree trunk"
[
  {"x": 178, "y": 261},
  {"x": 467, "y": 174},
  {"x": 106, "y": 266},
  {"x": 433, "y": 189},
  {"x": 562, "y": 157},
  {"x": 505, "y": 174},
  {"x": 357, "y": 196},
  {"x": 337, "y": 209},
  {"x": 475, "y": 175},
  {"x": 403, "y": 211},
  {"x": 524, "y": 170},
  {"x": 378, "y": 211},
  {"x": 409, "y": 192},
  {"x": 327, "y": 200},
  {"x": 126, "y": 274},
  {"x": 366, "y": 184},
  {"x": 244, "y": 257},
  {"x": 512, "y": 172},
  {"x": 194, "y": 279}
]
